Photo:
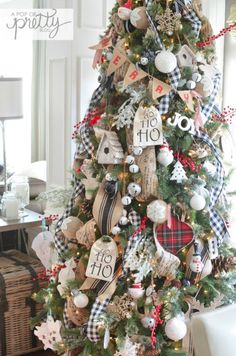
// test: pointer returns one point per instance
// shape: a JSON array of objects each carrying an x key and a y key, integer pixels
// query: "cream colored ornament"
[
  {"x": 126, "y": 200},
  {"x": 198, "y": 202},
  {"x": 116, "y": 230},
  {"x": 176, "y": 328},
  {"x": 165, "y": 156},
  {"x": 124, "y": 13},
  {"x": 165, "y": 61},
  {"x": 148, "y": 322},
  {"x": 86, "y": 234},
  {"x": 157, "y": 211},
  {"x": 80, "y": 299},
  {"x": 139, "y": 19},
  {"x": 130, "y": 159},
  {"x": 136, "y": 293},
  {"x": 70, "y": 225}
]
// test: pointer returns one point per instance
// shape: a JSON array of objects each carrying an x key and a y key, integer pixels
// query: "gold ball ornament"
[
  {"x": 139, "y": 19},
  {"x": 70, "y": 225}
]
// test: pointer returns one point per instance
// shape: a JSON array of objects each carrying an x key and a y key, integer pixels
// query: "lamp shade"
[{"x": 11, "y": 98}]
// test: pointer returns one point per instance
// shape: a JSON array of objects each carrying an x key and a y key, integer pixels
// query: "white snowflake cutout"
[{"x": 49, "y": 333}]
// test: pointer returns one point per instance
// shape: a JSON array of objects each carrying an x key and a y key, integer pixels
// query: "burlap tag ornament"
[
  {"x": 86, "y": 234},
  {"x": 78, "y": 316},
  {"x": 107, "y": 211}
]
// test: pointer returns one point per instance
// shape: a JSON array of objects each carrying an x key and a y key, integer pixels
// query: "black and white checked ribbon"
[
  {"x": 59, "y": 241},
  {"x": 217, "y": 223},
  {"x": 174, "y": 78},
  {"x": 194, "y": 19},
  {"x": 97, "y": 309},
  {"x": 152, "y": 25},
  {"x": 208, "y": 108}
]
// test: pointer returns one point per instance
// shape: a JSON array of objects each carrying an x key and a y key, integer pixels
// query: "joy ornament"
[{"x": 183, "y": 123}]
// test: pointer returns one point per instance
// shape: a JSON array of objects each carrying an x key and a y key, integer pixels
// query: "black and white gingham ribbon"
[
  {"x": 174, "y": 78},
  {"x": 217, "y": 223},
  {"x": 134, "y": 218},
  {"x": 67, "y": 323},
  {"x": 59, "y": 241},
  {"x": 194, "y": 19},
  {"x": 97, "y": 309},
  {"x": 208, "y": 108}
]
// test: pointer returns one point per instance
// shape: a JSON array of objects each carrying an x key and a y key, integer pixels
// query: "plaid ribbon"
[
  {"x": 59, "y": 241},
  {"x": 194, "y": 19},
  {"x": 208, "y": 108},
  {"x": 86, "y": 144},
  {"x": 174, "y": 239},
  {"x": 97, "y": 309},
  {"x": 174, "y": 78},
  {"x": 217, "y": 223}
]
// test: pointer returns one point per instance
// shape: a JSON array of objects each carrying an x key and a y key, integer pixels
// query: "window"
[{"x": 16, "y": 61}]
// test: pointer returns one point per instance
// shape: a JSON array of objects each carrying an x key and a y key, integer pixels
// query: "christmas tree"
[{"x": 143, "y": 238}]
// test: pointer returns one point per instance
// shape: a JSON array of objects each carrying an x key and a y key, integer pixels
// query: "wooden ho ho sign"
[
  {"x": 102, "y": 260},
  {"x": 147, "y": 127}
]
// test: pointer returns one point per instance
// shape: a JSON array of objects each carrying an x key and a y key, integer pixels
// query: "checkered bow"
[
  {"x": 165, "y": 101},
  {"x": 60, "y": 244},
  {"x": 216, "y": 221},
  {"x": 97, "y": 309},
  {"x": 208, "y": 108}
]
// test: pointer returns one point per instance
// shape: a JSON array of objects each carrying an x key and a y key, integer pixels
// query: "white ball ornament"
[
  {"x": 116, "y": 230},
  {"x": 148, "y": 322},
  {"x": 124, "y": 13},
  {"x": 130, "y": 159},
  {"x": 134, "y": 189},
  {"x": 81, "y": 300},
  {"x": 165, "y": 62},
  {"x": 123, "y": 221},
  {"x": 197, "y": 202},
  {"x": 126, "y": 200},
  {"x": 134, "y": 168},
  {"x": 165, "y": 157},
  {"x": 139, "y": 19},
  {"x": 176, "y": 329},
  {"x": 157, "y": 211},
  {"x": 144, "y": 61},
  {"x": 137, "y": 151},
  {"x": 191, "y": 84},
  {"x": 196, "y": 77},
  {"x": 136, "y": 293}
]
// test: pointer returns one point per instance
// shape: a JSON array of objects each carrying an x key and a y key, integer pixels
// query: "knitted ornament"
[
  {"x": 70, "y": 225},
  {"x": 165, "y": 61},
  {"x": 138, "y": 18}
]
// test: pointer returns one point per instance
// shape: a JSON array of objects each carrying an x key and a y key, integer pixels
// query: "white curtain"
[{"x": 38, "y": 121}]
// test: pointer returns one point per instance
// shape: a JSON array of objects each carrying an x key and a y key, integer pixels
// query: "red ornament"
[
  {"x": 188, "y": 162},
  {"x": 176, "y": 238}
]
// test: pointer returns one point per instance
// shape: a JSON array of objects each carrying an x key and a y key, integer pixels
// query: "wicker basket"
[{"x": 17, "y": 272}]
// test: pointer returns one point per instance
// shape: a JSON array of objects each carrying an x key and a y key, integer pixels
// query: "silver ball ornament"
[
  {"x": 116, "y": 230},
  {"x": 130, "y": 159},
  {"x": 123, "y": 221},
  {"x": 126, "y": 200},
  {"x": 134, "y": 189},
  {"x": 137, "y": 151},
  {"x": 134, "y": 168},
  {"x": 191, "y": 84},
  {"x": 196, "y": 77}
]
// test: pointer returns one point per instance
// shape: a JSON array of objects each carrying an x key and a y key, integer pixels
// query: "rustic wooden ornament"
[
  {"x": 176, "y": 238},
  {"x": 70, "y": 225},
  {"x": 147, "y": 129},
  {"x": 185, "y": 57},
  {"x": 86, "y": 234},
  {"x": 102, "y": 259},
  {"x": 78, "y": 316},
  {"x": 110, "y": 150},
  {"x": 90, "y": 183}
]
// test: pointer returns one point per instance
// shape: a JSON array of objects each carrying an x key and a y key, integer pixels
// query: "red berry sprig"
[
  {"x": 158, "y": 321},
  {"x": 209, "y": 40},
  {"x": 226, "y": 116},
  {"x": 91, "y": 118},
  {"x": 49, "y": 219},
  {"x": 188, "y": 162}
]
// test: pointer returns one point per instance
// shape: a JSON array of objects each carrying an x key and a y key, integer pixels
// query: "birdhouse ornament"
[{"x": 110, "y": 150}]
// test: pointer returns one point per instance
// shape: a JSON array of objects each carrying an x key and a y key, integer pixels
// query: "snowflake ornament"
[
  {"x": 128, "y": 348},
  {"x": 49, "y": 333},
  {"x": 168, "y": 21}
]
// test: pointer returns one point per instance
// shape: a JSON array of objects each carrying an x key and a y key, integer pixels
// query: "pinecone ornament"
[{"x": 223, "y": 264}]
